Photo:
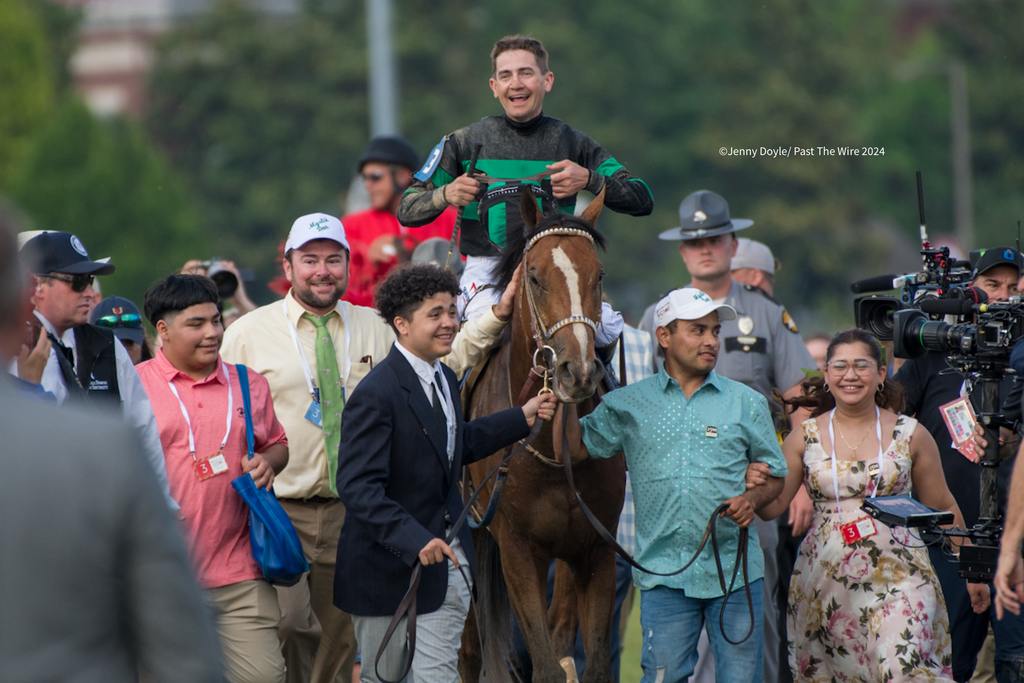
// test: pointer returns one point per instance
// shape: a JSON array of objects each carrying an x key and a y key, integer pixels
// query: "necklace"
[{"x": 852, "y": 448}]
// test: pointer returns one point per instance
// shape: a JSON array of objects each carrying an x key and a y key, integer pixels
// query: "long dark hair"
[{"x": 819, "y": 400}]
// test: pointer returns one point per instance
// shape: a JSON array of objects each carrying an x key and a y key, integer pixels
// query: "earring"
[
  {"x": 827, "y": 390},
  {"x": 881, "y": 387}
]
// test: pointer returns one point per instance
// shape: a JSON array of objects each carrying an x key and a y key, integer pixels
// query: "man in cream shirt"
[{"x": 314, "y": 349}]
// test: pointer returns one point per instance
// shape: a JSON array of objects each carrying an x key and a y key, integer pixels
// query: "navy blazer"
[{"x": 397, "y": 486}]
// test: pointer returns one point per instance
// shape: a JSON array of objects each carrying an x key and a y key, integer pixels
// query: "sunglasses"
[
  {"x": 373, "y": 177},
  {"x": 79, "y": 283},
  {"x": 132, "y": 320}
]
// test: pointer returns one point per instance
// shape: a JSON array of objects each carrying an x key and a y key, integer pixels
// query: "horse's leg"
[
  {"x": 469, "y": 653},
  {"x": 595, "y": 595},
  {"x": 562, "y": 614},
  {"x": 526, "y": 577}
]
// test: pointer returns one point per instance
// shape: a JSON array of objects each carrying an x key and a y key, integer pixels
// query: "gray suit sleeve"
[{"x": 173, "y": 628}]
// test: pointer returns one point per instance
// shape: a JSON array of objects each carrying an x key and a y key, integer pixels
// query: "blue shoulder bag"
[{"x": 275, "y": 545}]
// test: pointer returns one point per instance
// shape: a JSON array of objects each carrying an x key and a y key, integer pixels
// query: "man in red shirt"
[
  {"x": 379, "y": 242},
  {"x": 197, "y": 400}
]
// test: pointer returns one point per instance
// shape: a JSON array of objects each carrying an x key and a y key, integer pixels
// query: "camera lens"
[{"x": 227, "y": 283}]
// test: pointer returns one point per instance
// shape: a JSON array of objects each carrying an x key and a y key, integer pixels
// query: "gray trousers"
[
  {"x": 768, "y": 535},
  {"x": 438, "y": 636}
]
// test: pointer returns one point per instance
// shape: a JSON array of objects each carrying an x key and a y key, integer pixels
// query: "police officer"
[{"x": 761, "y": 348}]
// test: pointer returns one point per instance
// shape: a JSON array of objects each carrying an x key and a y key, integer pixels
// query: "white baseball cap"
[
  {"x": 315, "y": 226},
  {"x": 753, "y": 254},
  {"x": 689, "y": 303}
]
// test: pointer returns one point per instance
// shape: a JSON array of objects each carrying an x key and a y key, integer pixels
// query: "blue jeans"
[{"x": 672, "y": 622}]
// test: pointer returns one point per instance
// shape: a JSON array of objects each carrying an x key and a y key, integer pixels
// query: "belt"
[{"x": 314, "y": 500}]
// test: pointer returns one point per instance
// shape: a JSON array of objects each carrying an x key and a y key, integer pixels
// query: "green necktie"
[{"x": 332, "y": 400}]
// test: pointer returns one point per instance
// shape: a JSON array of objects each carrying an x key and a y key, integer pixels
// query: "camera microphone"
[
  {"x": 878, "y": 283},
  {"x": 947, "y": 306}
]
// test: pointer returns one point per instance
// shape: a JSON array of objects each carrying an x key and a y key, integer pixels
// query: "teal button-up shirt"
[{"x": 685, "y": 457}]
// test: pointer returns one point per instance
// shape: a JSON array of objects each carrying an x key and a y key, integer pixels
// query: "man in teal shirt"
[{"x": 688, "y": 435}]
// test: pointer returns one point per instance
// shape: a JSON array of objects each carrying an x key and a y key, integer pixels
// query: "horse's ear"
[
  {"x": 528, "y": 209},
  {"x": 594, "y": 208}
]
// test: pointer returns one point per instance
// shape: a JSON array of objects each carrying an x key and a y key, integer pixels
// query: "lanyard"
[
  {"x": 835, "y": 469},
  {"x": 188, "y": 422},
  {"x": 307, "y": 371}
]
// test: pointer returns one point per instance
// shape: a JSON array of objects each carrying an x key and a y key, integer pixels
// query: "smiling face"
[
  {"x": 318, "y": 273},
  {"x": 519, "y": 85},
  {"x": 430, "y": 329},
  {"x": 853, "y": 375},
  {"x": 691, "y": 346},
  {"x": 191, "y": 338}
]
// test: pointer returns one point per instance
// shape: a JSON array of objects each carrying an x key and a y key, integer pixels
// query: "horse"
[{"x": 536, "y": 518}]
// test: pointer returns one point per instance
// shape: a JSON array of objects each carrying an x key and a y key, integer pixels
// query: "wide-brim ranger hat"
[
  {"x": 689, "y": 303},
  {"x": 704, "y": 214},
  {"x": 61, "y": 252}
]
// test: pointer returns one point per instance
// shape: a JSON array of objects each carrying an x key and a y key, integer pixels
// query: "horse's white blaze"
[{"x": 572, "y": 280}]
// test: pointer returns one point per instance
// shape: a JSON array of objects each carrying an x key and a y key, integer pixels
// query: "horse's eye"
[{"x": 534, "y": 280}]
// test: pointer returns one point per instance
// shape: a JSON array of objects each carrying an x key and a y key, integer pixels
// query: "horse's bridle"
[{"x": 542, "y": 332}]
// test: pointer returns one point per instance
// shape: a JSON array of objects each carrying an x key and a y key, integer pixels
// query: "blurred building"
[{"x": 116, "y": 41}]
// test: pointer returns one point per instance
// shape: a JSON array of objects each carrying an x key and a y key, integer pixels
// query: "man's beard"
[{"x": 306, "y": 296}]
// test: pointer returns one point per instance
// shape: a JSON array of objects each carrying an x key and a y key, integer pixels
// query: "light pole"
[{"x": 383, "y": 89}]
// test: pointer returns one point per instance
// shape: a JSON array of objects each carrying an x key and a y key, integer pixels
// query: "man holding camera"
[
  {"x": 929, "y": 383},
  {"x": 230, "y": 285}
]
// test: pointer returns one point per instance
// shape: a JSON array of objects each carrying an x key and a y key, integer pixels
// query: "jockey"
[{"x": 523, "y": 144}]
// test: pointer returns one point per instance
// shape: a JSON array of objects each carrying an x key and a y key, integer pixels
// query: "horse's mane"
[{"x": 515, "y": 242}]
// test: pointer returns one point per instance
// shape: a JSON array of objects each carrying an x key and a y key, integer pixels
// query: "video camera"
[{"x": 977, "y": 344}]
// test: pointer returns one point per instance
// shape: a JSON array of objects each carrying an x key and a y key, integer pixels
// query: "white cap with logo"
[
  {"x": 689, "y": 303},
  {"x": 315, "y": 226}
]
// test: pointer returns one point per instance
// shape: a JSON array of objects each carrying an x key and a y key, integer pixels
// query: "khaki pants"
[
  {"x": 247, "y": 621},
  {"x": 319, "y": 642}
]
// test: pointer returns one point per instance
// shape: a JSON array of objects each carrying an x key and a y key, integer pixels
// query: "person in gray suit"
[{"x": 95, "y": 583}]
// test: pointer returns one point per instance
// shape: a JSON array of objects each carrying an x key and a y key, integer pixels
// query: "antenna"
[{"x": 920, "y": 207}]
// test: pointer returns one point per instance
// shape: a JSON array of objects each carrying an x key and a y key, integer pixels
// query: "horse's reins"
[{"x": 542, "y": 334}]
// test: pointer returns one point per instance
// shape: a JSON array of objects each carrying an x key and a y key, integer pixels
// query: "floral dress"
[{"x": 871, "y": 610}]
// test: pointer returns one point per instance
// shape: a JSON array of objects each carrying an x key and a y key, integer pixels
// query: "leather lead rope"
[{"x": 710, "y": 533}]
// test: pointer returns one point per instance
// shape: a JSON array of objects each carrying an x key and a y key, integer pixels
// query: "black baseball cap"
[
  {"x": 987, "y": 259},
  {"x": 61, "y": 252},
  {"x": 121, "y": 316}
]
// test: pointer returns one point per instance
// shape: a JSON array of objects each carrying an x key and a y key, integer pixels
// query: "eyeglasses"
[
  {"x": 132, "y": 320},
  {"x": 79, "y": 283},
  {"x": 373, "y": 177},
  {"x": 860, "y": 366}
]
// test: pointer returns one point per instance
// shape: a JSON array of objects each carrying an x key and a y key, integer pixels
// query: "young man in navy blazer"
[{"x": 403, "y": 443}]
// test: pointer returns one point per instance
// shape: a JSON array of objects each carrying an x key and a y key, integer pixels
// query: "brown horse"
[{"x": 537, "y": 518}]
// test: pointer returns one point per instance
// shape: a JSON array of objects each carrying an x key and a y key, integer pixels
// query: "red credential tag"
[
  {"x": 207, "y": 468},
  {"x": 858, "y": 529}
]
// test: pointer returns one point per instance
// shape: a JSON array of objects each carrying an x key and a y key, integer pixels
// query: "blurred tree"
[
  {"x": 26, "y": 81},
  {"x": 265, "y": 116},
  {"x": 103, "y": 181}
]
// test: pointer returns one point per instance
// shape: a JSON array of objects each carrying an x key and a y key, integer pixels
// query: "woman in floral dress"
[{"x": 864, "y": 602}]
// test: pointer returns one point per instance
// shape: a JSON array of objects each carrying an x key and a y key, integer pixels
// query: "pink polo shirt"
[{"x": 215, "y": 518}]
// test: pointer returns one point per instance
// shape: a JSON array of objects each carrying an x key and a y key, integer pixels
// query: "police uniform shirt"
[{"x": 762, "y": 347}]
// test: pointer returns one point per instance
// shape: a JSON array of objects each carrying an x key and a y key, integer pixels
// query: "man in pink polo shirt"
[{"x": 197, "y": 401}]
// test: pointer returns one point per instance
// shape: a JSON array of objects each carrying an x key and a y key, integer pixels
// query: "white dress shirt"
[
  {"x": 425, "y": 372},
  {"x": 134, "y": 401}
]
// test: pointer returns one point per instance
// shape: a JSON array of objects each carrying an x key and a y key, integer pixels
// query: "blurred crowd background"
[{"x": 165, "y": 130}]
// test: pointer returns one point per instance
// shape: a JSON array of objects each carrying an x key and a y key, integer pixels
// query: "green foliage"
[
  {"x": 102, "y": 181},
  {"x": 26, "y": 81},
  {"x": 265, "y": 116}
]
